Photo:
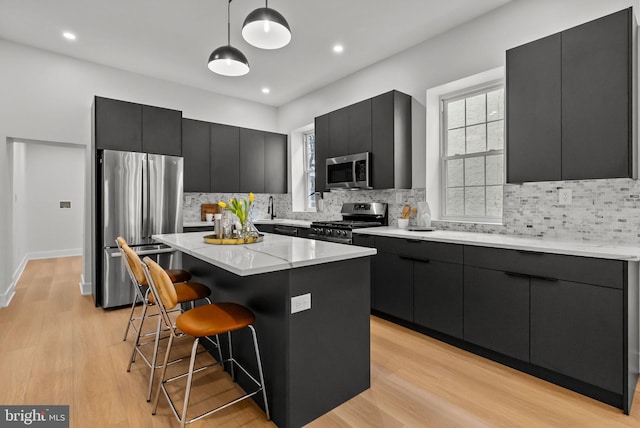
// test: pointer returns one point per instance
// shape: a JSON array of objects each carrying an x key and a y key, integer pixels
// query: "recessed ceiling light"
[
  {"x": 338, "y": 48},
  {"x": 69, "y": 36},
  {"x": 266, "y": 90}
]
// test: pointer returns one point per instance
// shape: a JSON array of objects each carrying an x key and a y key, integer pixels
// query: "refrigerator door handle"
[
  {"x": 146, "y": 252},
  {"x": 146, "y": 227}
]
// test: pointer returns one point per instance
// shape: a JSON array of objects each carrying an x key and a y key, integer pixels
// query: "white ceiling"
[{"x": 172, "y": 39}]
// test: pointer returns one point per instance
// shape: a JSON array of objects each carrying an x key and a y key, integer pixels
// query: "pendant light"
[
  {"x": 266, "y": 28},
  {"x": 227, "y": 60}
]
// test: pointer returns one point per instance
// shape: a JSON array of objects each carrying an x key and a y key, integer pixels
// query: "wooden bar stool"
[
  {"x": 200, "y": 322},
  {"x": 186, "y": 292}
]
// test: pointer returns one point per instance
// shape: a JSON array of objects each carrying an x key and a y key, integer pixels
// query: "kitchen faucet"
[{"x": 270, "y": 208}]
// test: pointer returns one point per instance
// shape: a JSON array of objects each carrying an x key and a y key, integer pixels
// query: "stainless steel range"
[{"x": 354, "y": 215}]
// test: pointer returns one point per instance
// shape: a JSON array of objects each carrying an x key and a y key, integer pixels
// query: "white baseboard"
[
  {"x": 38, "y": 255},
  {"x": 6, "y": 297},
  {"x": 85, "y": 287}
]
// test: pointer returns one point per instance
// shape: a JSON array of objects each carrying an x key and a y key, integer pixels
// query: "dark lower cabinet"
[
  {"x": 196, "y": 153},
  {"x": 577, "y": 330},
  {"x": 392, "y": 286},
  {"x": 225, "y": 158},
  {"x": 437, "y": 296},
  {"x": 496, "y": 311},
  {"x": 568, "y": 319}
]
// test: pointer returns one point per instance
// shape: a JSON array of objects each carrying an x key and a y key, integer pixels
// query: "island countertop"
[{"x": 274, "y": 253}]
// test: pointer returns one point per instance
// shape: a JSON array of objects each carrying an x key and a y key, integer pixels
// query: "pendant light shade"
[
  {"x": 266, "y": 28},
  {"x": 227, "y": 60}
]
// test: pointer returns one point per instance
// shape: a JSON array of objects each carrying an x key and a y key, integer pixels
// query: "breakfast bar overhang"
[{"x": 314, "y": 358}]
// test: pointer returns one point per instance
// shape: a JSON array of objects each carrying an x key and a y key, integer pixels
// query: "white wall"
[
  {"x": 48, "y": 97},
  {"x": 52, "y": 173},
  {"x": 466, "y": 50}
]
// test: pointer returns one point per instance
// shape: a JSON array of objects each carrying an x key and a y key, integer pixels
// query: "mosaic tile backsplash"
[{"x": 602, "y": 210}]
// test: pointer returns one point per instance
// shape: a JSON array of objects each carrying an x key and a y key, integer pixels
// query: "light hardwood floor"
[{"x": 57, "y": 348}]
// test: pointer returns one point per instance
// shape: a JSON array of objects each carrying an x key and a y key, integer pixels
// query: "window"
[
  {"x": 310, "y": 169},
  {"x": 472, "y": 154}
]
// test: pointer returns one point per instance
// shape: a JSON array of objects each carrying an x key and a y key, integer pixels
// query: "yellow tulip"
[
  {"x": 251, "y": 197},
  {"x": 222, "y": 204}
]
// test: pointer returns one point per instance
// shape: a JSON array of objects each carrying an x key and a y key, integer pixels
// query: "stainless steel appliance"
[
  {"x": 139, "y": 195},
  {"x": 354, "y": 215},
  {"x": 349, "y": 172}
]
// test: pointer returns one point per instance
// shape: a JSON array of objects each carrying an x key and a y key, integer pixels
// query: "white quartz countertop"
[
  {"x": 274, "y": 253},
  {"x": 276, "y": 221},
  {"x": 603, "y": 250}
]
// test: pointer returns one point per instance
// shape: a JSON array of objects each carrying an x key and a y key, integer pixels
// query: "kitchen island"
[{"x": 312, "y": 303}]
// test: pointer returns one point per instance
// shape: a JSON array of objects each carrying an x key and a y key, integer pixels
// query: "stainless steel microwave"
[{"x": 349, "y": 172}]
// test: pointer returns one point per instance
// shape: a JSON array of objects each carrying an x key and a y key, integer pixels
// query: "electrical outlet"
[
  {"x": 565, "y": 196},
  {"x": 301, "y": 303}
]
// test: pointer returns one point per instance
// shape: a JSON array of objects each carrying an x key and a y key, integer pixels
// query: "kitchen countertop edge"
[{"x": 602, "y": 250}]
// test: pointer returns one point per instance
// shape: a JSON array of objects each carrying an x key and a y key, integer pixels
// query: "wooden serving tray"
[{"x": 211, "y": 239}]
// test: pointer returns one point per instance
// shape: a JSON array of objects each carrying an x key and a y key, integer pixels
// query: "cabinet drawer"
[
  {"x": 421, "y": 250},
  {"x": 606, "y": 273},
  {"x": 364, "y": 240}
]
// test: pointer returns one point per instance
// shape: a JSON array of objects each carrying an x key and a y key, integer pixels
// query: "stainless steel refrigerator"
[{"x": 140, "y": 195}]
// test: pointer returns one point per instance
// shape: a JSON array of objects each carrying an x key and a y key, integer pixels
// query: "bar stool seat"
[
  {"x": 214, "y": 319},
  {"x": 178, "y": 275},
  {"x": 186, "y": 292}
]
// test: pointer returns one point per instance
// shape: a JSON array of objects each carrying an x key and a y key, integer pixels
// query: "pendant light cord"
[{"x": 229, "y": 23}]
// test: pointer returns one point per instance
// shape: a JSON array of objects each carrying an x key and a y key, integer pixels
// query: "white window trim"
[
  {"x": 298, "y": 185},
  {"x": 467, "y": 92},
  {"x": 306, "y": 170},
  {"x": 433, "y": 168}
]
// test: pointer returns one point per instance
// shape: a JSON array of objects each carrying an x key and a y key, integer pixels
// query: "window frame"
[
  {"x": 310, "y": 198},
  {"x": 457, "y": 95}
]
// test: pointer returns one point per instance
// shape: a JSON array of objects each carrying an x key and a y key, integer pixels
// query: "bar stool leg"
[
  {"x": 192, "y": 362},
  {"x": 264, "y": 391},
  {"x": 162, "y": 375},
  {"x": 137, "y": 340},
  {"x": 133, "y": 307},
  {"x": 154, "y": 360},
  {"x": 231, "y": 370}
]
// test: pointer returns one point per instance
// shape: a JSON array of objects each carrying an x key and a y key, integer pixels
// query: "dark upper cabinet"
[
  {"x": 535, "y": 111},
  {"x": 117, "y": 125},
  {"x": 252, "y": 161},
  {"x": 225, "y": 158},
  {"x": 121, "y": 125},
  {"x": 161, "y": 131},
  {"x": 321, "y": 130},
  {"x": 596, "y": 98},
  {"x": 577, "y": 330},
  {"x": 338, "y": 143},
  {"x": 380, "y": 125},
  {"x": 391, "y": 141},
  {"x": 570, "y": 103},
  {"x": 359, "y": 140},
  {"x": 275, "y": 163},
  {"x": 196, "y": 154}
]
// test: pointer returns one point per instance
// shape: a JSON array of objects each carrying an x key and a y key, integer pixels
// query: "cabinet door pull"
[
  {"x": 544, "y": 278},
  {"x": 414, "y": 241},
  {"x": 415, "y": 259},
  {"x": 529, "y": 252},
  {"x": 519, "y": 275}
]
